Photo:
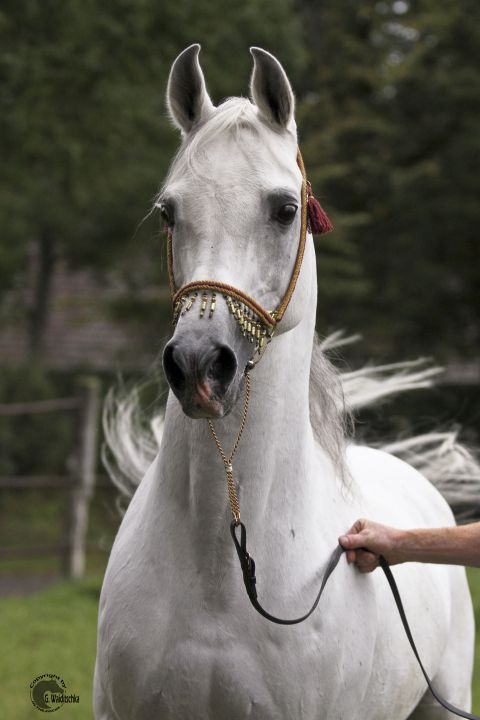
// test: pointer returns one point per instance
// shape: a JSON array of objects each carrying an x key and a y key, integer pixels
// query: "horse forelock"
[{"x": 237, "y": 118}]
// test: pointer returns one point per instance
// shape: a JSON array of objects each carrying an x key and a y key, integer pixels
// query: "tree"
[
  {"x": 434, "y": 212},
  {"x": 84, "y": 136},
  {"x": 390, "y": 139}
]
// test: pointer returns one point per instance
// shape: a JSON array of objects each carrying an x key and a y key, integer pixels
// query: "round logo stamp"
[{"x": 47, "y": 692}]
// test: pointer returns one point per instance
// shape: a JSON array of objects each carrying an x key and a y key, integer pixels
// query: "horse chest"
[
  {"x": 172, "y": 647},
  {"x": 213, "y": 667},
  {"x": 204, "y": 672}
]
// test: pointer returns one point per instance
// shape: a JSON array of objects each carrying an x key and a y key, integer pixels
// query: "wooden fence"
[{"x": 79, "y": 483}]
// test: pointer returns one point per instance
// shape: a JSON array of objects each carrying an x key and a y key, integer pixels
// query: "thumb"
[{"x": 352, "y": 541}]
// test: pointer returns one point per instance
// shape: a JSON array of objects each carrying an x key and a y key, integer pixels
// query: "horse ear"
[
  {"x": 187, "y": 97},
  {"x": 270, "y": 89}
]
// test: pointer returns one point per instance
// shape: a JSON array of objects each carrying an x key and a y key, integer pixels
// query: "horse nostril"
[
  {"x": 173, "y": 371},
  {"x": 223, "y": 366}
]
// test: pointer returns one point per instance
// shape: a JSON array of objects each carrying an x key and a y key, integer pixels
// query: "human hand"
[{"x": 366, "y": 540}]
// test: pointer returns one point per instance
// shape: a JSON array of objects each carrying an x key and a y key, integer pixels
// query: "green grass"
[
  {"x": 474, "y": 580},
  {"x": 50, "y": 632},
  {"x": 54, "y": 631}
]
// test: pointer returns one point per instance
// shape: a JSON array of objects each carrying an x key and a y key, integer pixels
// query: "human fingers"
[
  {"x": 376, "y": 538},
  {"x": 366, "y": 561},
  {"x": 357, "y": 526},
  {"x": 351, "y": 556}
]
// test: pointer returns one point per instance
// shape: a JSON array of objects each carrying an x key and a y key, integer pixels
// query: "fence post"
[{"x": 88, "y": 394}]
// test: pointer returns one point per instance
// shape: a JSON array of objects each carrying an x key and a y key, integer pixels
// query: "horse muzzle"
[{"x": 201, "y": 373}]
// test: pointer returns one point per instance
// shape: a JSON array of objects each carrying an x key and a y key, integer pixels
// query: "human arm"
[{"x": 366, "y": 540}]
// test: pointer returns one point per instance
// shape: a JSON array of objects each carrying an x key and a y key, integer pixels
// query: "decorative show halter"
[
  {"x": 259, "y": 324},
  {"x": 254, "y": 320}
]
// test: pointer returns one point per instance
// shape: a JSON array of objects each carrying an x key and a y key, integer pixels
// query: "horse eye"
[
  {"x": 166, "y": 214},
  {"x": 286, "y": 213}
]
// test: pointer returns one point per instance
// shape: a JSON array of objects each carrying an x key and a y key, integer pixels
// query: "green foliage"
[
  {"x": 78, "y": 120},
  {"x": 83, "y": 129},
  {"x": 26, "y": 445},
  {"x": 148, "y": 312},
  {"x": 337, "y": 117},
  {"x": 84, "y": 135},
  {"x": 390, "y": 132},
  {"x": 434, "y": 181},
  {"x": 388, "y": 100}
]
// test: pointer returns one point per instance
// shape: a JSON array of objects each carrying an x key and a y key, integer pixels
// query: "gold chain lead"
[{"x": 227, "y": 461}]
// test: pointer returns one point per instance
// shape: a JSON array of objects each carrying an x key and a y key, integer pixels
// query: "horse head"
[{"x": 234, "y": 205}]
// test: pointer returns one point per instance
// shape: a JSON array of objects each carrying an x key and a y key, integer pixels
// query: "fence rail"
[
  {"x": 33, "y": 550},
  {"x": 22, "y": 482},
  {"x": 32, "y": 482},
  {"x": 79, "y": 483},
  {"x": 39, "y": 406}
]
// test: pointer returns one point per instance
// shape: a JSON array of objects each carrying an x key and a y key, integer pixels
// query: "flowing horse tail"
[
  {"x": 449, "y": 465},
  {"x": 133, "y": 437}
]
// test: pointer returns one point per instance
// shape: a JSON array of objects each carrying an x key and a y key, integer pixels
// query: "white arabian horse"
[{"x": 177, "y": 636}]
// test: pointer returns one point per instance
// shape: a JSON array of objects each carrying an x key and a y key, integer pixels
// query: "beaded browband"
[{"x": 254, "y": 320}]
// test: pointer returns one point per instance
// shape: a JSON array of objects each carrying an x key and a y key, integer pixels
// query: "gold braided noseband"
[{"x": 254, "y": 320}]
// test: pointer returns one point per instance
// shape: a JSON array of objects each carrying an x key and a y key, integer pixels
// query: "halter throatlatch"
[{"x": 254, "y": 320}]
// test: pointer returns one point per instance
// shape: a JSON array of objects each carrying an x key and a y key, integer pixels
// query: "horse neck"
[{"x": 277, "y": 461}]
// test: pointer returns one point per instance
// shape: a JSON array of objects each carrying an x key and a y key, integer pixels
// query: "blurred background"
[{"x": 388, "y": 101}]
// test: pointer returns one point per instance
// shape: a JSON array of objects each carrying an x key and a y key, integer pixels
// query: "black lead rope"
[
  {"x": 398, "y": 600},
  {"x": 248, "y": 569}
]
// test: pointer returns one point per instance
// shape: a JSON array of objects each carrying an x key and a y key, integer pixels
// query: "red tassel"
[{"x": 318, "y": 220}]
